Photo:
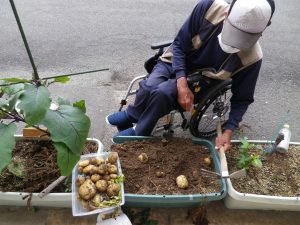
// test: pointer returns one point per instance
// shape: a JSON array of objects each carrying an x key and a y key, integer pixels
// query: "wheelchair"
[{"x": 211, "y": 101}]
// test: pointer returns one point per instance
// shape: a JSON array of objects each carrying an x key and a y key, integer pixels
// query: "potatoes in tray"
[{"x": 98, "y": 182}]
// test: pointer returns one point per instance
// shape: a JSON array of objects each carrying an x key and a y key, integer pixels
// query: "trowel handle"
[
  {"x": 223, "y": 161},
  {"x": 219, "y": 128}
]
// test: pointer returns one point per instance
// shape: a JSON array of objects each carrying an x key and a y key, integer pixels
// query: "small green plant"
[
  {"x": 246, "y": 159},
  {"x": 28, "y": 102}
]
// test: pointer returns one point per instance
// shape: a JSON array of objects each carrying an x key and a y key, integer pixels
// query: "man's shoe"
[
  {"x": 120, "y": 120},
  {"x": 128, "y": 132}
]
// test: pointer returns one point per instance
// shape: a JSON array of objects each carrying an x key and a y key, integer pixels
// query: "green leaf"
[
  {"x": 66, "y": 159},
  {"x": 7, "y": 143},
  {"x": 3, "y": 102},
  {"x": 35, "y": 102},
  {"x": 68, "y": 125},
  {"x": 13, "y": 89},
  {"x": 62, "y": 79},
  {"x": 257, "y": 163},
  {"x": 81, "y": 105},
  {"x": 13, "y": 100},
  {"x": 15, "y": 80},
  {"x": 241, "y": 162},
  {"x": 63, "y": 101},
  {"x": 120, "y": 179},
  {"x": 245, "y": 143},
  {"x": 17, "y": 169}
]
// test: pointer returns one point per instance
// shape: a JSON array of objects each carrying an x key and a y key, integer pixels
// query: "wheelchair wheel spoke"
[{"x": 203, "y": 124}]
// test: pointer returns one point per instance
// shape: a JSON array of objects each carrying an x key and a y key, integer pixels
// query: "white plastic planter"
[
  {"x": 238, "y": 200},
  {"x": 51, "y": 200}
]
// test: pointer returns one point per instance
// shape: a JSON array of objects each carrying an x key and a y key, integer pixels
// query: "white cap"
[
  {"x": 226, "y": 48},
  {"x": 245, "y": 23}
]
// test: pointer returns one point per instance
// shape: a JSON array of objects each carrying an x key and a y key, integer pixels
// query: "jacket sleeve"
[
  {"x": 182, "y": 44},
  {"x": 243, "y": 87}
]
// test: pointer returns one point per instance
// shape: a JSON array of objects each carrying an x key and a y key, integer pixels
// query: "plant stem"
[
  {"x": 35, "y": 76},
  {"x": 65, "y": 75},
  {"x": 20, "y": 119}
]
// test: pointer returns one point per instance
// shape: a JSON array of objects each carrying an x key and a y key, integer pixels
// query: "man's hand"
[
  {"x": 185, "y": 96},
  {"x": 224, "y": 140}
]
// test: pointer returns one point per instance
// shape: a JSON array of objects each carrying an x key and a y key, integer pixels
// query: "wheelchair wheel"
[{"x": 213, "y": 104}]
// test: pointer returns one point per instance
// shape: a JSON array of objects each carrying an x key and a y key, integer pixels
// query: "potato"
[
  {"x": 95, "y": 177},
  {"x": 87, "y": 190},
  {"x": 93, "y": 160},
  {"x": 207, "y": 161},
  {"x": 90, "y": 169},
  {"x": 113, "y": 176},
  {"x": 106, "y": 177},
  {"x": 101, "y": 185},
  {"x": 159, "y": 174},
  {"x": 113, "y": 190},
  {"x": 84, "y": 203},
  {"x": 112, "y": 157},
  {"x": 96, "y": 200},
  {"x": 80, "y": 180},
  {"x": 182, "y": 182},
  {"x": 84, "y": 163},
  {"x": 112, "y": 169},
  {"x": 102, "y": 169},
  {"x": 143, "y": 158},
  {"x": 100, "y": 161},
  {"x": 80, "y": 169}
]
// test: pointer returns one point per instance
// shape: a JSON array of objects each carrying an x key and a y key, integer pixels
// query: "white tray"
[{"x": 77, "y": 208}]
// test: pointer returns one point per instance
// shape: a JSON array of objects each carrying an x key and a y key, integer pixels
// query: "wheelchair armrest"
[{"x": 160, "y": 45}]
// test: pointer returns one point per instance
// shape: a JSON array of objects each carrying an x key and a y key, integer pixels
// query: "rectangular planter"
[
  {"x": 137, "y": 200},
  {"x": 238, "y": 200},
  {"x": 51, "y": 200}
]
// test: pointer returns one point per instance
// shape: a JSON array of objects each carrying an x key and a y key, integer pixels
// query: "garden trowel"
[{"x": 223, "y": 162}]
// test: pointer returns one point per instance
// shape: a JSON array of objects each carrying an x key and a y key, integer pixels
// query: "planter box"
[
  {"x": 138, "y": 200},
  {"x": 238, "y": 200},
  {"x": 51, "y": 200}
]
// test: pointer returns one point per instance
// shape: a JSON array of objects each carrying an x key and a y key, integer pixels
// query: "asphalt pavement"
[{"x": 72, "y": 36}]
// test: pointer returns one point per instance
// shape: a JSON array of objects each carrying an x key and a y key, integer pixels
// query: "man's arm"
[
  {"x": 182, "y": 45},
  {"x": 243, "y": 87}
]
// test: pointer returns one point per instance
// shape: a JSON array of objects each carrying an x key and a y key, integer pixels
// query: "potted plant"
[
  {"x": 272, "y": 181},
  {"x": 28, "y": 102}
]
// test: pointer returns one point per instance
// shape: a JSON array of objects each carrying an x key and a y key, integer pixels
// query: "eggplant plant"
[{"x": 28, "y": 102}]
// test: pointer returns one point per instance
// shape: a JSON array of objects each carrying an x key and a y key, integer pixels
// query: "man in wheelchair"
[{"x": 218, "y": 36}]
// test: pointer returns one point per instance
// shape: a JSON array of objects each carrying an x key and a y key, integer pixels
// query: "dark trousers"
[{"x": 156, "y": 97}]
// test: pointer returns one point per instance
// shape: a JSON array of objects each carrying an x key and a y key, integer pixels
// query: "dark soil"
[
  {"x": 37, "y": 161},
  {"x": 174, "y": 157},
  {"x": 279, "y": 176}
]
